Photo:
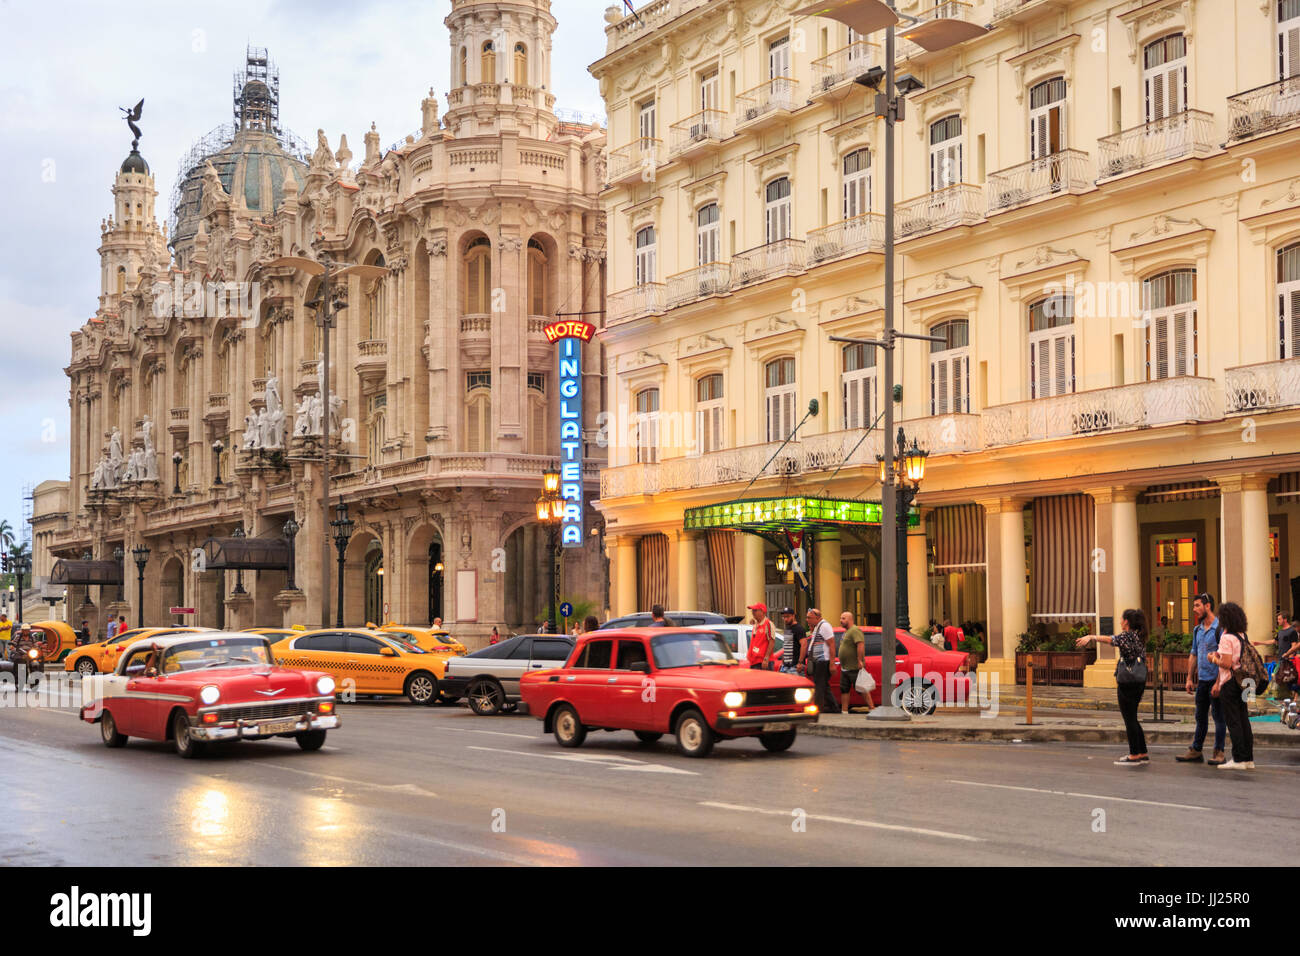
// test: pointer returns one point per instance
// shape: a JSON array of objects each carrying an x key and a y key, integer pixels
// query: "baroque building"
[
  {"x": 1098, "y": 218},
  {"x": 191, "y": 387}
]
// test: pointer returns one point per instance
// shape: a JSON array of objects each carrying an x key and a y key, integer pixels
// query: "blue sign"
[
  {"x": 570, "y": 336},
  {"x": 566, "y": 609}
]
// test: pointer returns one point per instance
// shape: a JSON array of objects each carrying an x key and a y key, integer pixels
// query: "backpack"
[{"x": 1250, "y": 667}]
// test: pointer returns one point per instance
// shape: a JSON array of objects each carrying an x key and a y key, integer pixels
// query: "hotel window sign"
[{"x": 568, "y": 336}]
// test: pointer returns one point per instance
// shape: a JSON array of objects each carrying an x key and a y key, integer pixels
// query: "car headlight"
[
  {"x": 34, "y": 654},
  {"x": 733, "y": 698},
  {"x": 325, "y": 686},
  {"x": 802, "y": 695},
  {"x": 210, "y": 694}
]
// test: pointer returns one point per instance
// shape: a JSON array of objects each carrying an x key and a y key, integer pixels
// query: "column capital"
[
  {"x": 1248, "y": 482},
  {"x": 1114, "y": 494},
  {"x": 1004, "y": 504}
]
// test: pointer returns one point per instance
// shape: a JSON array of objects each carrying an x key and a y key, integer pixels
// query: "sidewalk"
[{"x": 1177, "y": 703}]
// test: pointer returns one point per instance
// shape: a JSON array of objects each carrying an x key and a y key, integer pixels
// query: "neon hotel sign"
[{"x": 569, "y": 336}]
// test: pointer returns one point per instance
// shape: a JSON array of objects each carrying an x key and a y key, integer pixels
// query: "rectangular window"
[
  {"x": 708, "y": 235},
  {"x": 1051, "y": 346},
  {"x": 950, "y": 368},
  {"x": 858, "y": 386},
  {"x": 710, "y": 98},
  {"x": 1288, "y": 39},
  {"x": 1047, "y": 118},
  {"x": 645, "y": 256},
  {"x": 945, "y": 153},
  {"x": 1164, "y": 77},
  {"x": 778, "y": 210},
  {"x": 645, "y": 425},
  {"x": 646, "y": 120},
  {"x": 857, "y": 183},
  {"x": 1169, "y": 310},
  {"x": 780, "y": 398},
  {"x": 709, "y": 412}
]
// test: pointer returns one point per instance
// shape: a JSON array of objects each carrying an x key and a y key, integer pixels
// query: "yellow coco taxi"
[
  {"x": 374, "y": 663},
  {"x": 102, "y": 657},
  {"x": 432, "y": 640}
]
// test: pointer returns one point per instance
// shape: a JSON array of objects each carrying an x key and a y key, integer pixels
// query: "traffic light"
[{"x": 4, "y": 563}]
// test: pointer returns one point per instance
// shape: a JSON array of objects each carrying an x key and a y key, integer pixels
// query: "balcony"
[
  {"x": 1265, "y": 109},
  {"x": 1023, "y": 11},
  {"x": 784, "y": 257},
  {"x": 713, "y": 278},
  {"x": 636, "y": 160},
  {"x": 835, "y": 73},
  {"x": 908, "y": 51},
  {"x": 179, "y": 423},
  {"x": 645, "y": 299},
  {"x": 1166, "y": 401},
  {"x": 1190, "y": 133},
  {"x": 476, "y": 336},
  {"x": 1065, "y": 173},
  {"x": 218, "y": 406},
  {"x": 696, "y": 135},
  {"x": 960, "y": 205},
  {"x": 372, "y": 358},
  {"x": 846, "y": 238},
  {"x": 768, "y": 104},
  {"x": 1261, "y": 387}
]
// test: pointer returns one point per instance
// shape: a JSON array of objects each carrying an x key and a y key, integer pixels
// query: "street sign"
[
  {"x": 181, "y": 610},
  {"x": 566, "y": 609}
]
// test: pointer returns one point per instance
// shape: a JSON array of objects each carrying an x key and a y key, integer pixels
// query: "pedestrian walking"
[
  {"x": 112, "y": 629},
  {"x": 817, "y": 659},
  {"x": 761, "y": 639},
  {"x": 1201, "y": 676},
  {"x": 6, "y": 628},
  {"x": 1229, "y": 691},
  {"x": 852, "y": 646},
  {"x": 495, "y": 636},
  {"x": 657, "y": 618},
  {"x": 795, "y": 637},
  {"x": 1130, "y": 679}
]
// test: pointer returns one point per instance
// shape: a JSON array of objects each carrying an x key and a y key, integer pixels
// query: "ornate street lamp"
[
  {"x": 908, "y": 472},
  {"x": 782, "y": 562},
  {"x": 342, "y": 526},
  {"x": 141, "y": 555},
  {"x": 177, "y": 458},
  {"x": 550, "y": 509},
  {"x": 22, "y": 565},
  {"x": 118, "y": 555},
  {"x": 239, "y": 573},
  {"x": 290, "y": 532},
  {"x": 218, "y": 447}
]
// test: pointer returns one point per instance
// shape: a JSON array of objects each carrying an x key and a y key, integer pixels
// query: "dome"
[{"x": 134, "y": 163}]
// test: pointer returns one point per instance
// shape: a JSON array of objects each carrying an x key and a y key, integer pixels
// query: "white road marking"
[
  {"x": 608, "y": 761},
  {"x": 394, "y": 787},
  {"x": 848, "y": 821},
  {"x": 495, "y": 733},
  {"x": 1071, "y": 793}
]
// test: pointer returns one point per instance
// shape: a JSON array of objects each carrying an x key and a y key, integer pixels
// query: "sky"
[{"x": 66, "y": 68}]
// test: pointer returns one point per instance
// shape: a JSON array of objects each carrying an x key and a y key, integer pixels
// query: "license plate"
[
  {"x": 277, "y": 727},
  {"x": 776, "y": 728}
]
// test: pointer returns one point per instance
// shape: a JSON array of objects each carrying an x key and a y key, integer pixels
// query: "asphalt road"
[{"x": 403, "y": 785}]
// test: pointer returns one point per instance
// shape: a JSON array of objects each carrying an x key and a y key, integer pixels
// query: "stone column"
[
  {"x": 682, "y": 548},
  {"x": 622, "y": 568},
  {"x": 1245, "y": 552},
  {"x": 751, "y": 563},
  {"x": 918, "y": 578},
  {"x": 1007, "y": 601},
  {"x": 828, "y": 585}
]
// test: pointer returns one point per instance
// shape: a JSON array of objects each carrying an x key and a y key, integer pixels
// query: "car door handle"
[
  {"x": 611, "y": 680},
  {"x": 538, "y": 666}
]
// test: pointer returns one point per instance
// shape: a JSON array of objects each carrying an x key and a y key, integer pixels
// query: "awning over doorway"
[
  {"x": 67, "y": 571},
  {"x": 959, "y": 538},
  {"x": 787, "y": 514},
  {"x": 1064, "y": 538},
  {"x": 246, "y": 554}
]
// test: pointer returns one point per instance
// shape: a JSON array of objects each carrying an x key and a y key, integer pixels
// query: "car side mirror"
[
  {"x": 640, "y": 667},
  {"x": 387, "y": 652}
]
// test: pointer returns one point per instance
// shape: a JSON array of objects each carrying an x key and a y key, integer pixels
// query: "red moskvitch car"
[
  {"x": 926, "y": 676},
  {"x": 209, "y": 686},
  {"x": 654, "y": 681}
]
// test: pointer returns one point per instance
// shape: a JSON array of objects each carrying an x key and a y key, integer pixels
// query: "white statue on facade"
[
  {"x": 275, "y": 429},
  {"x": 132, "y": 466},
  {"x": 336, "y": 405},
  {"x": 105, "y": 476},
  {"x": 146, "y": 429},
  {"x": 148, "y": 467},
  {"x": 115, "y": 455},
  {"x": 273, "y": 395},
  {"x": 250, "y": 431},
  {"x": 302, "y": 417},
  {"x": 315, "y": 413}
]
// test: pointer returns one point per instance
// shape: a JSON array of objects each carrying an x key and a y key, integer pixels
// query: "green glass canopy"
[{"x": 788, "y": 514}]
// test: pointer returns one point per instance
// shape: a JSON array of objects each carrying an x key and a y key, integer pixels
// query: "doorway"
[{"x": 1175, "y": 573}]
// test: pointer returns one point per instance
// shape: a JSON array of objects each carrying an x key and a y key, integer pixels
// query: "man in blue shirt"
[{"x": 1201, "y": 675}]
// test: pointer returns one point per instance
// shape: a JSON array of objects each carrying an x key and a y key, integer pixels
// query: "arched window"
[
  {"x": 537, "y": 414},
  {"x": 950, "y": 368},
  {"x": 708, "y": 234},
  {"x": 181, "y": 380},
  {"x": 536, "y": 278},
  {"x": 645, "y": 255},
  {"x": 488, "y": 63},
  {"x": 709, "y": 412},
  {"x": 478, "y": 411},
  {"x": 1047, "y": 118},
  {"x": 857, "y": 183},
  {"x": 463, "y": 70},
  {"x": 520, "y": 65},
  {"x": 1051, "y": 346},
  {"x": 1169, "y": 313},
  {"x": 1288, "y": 299},
  {"x": 779, "y": 397},
  {"x": 478, "y": 277},
  {"x": 376, "y": 411},
  {"x": 778, "y": 210},
  {"x": 945, "y": 152},
  {"x": 858, "y": 386},
  {"x": 376, "y": 305},
  {"x": 270, "y": 341},
  {"x": 121, "y": 280},
  {"x": 645, "y": 426},
  {"x": 1164, "y": 77}
]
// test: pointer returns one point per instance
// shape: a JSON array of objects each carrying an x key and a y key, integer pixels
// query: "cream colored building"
[
  {"x": 488, "y": 220},
  {"x": 1098, "y": 208}
]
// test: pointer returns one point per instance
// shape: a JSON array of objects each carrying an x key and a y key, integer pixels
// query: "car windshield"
[
  {"x": 217, "y": 652},
  {"x": 690, "y": 649},
  {"x": 407, "y": 647},
  {"x": 443, "y": 638}
]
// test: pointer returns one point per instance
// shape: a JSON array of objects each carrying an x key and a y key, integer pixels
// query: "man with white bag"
[{"x": 851, "y": 662}]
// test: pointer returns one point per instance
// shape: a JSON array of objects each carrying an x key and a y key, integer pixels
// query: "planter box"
[{"x": 1055, "y": 668}]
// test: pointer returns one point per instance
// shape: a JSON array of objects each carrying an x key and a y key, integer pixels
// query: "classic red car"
[
  {"x": 654, "y": 681},
  {"x": 209, "y": 686},
  {"x": 925, "y": 675}
]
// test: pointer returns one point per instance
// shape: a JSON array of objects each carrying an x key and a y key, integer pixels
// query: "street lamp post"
[
  {"x": 177, "y": 458},
  {"x": 22, "y": 564},
  {"x": 342, "y": 526},
  {"x": 218, "y": 447},
  {"x": 550, "y": 509},
  {"x": 239, "y": 572},
  {"x": 290, "y": 532},
  {"x": 119, "y": 555},
  {"x": 934, "y": 33},
  {"x": 141, "y": 555},
  {"x": 909, "y": 470}
]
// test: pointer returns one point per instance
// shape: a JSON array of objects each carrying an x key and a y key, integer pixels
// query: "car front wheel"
[
  {"x": 916, "y": 697},
  {"x": 86, "y": 667},
  {"x": 777, "y": 742},
  {"x": 311, "y": 740},
  {"x": 569, "y": 731},
  {"x": 422, "y": 688},
  {"x": 186, "y": 746},
  {"x": 486, "y": 697},
  {"x": 108, "y": 730},
  {"x": 694, "y": 735}
]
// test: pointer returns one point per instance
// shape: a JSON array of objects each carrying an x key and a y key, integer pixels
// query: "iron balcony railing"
[
  {"x": 703, "y": 129},
  {"x": 1189, "y": 133},
  {"x": 779, "y": 94},
  {"x": 1068, "y": 171},
  {"x": 1265, "y": 385},
  {"x": 645, "y": 299},
  {"x": 780, "y": 258},
  {"x": 959, "y": 205},
  {"x": 637, "y": 158},
  {"x": 848, "y": 237},
  {"x": 1264, "y": 109},
  {"x": 843, "y": 66},
  {"x": 712, "y": 278}
]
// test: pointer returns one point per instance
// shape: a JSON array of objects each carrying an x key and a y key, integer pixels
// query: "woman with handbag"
[
  {"x": 1130, "y": 679},
  {"x": 1236, "y": 712}
]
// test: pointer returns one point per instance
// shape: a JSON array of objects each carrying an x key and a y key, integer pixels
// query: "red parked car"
[
  {"x": 654, "y": 681},
  {"x": 930, "y": 675},
  {"x": 210, "y": 686}
]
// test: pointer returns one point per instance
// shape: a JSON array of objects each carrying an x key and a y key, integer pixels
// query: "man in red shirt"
[
  {"x": 952, "y": 636},
  {"x": 761, "y": 641}
]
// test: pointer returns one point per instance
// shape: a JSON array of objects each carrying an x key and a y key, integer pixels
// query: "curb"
[{"x": 939, "y": 734}]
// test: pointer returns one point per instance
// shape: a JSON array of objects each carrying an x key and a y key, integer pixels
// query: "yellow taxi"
[
  {"x": 365, "y": 661},
  {"x": 273, "y": 634},
  {"x": 435, "y": 640},
  {"x": 102, "y": 657}
]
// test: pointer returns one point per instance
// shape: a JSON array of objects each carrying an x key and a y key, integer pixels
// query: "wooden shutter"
[
  {"x": 1288, "y": 318},
  {"x": 940, "y": 386},
  {"x": 1288, "y": 48}
]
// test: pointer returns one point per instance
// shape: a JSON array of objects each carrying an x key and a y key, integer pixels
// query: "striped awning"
[
  {"x": 958, "y": 538},
  {"x": 722, "y": 570},
  {"x": 652, "y": 577},
  {"x": 1288, "y": 484},
  {"x": 1064, "y": 538},
  {"x": 1180, "y": 491}
]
